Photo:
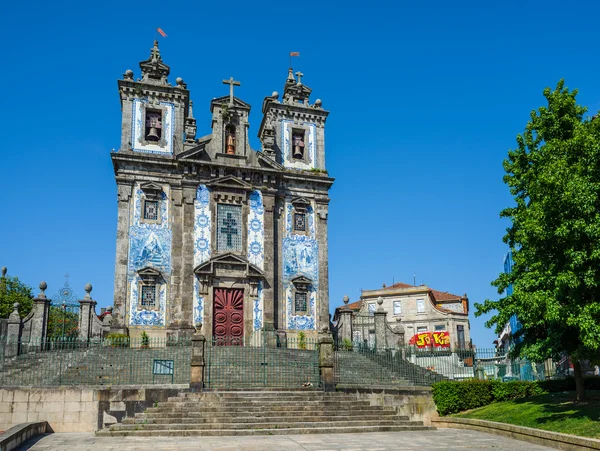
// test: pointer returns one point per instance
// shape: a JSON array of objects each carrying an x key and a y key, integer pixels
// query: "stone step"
[
  {"x": 261, "y": 425},
  {"x": 278, "y": 431},
  {"x": 253, "y": 409},
  {"x": 225, "y": 417},
  {"x": 258, "y": 395},
  {"x": 262, "y": 420},
  {"x": 343, "y": 403}
]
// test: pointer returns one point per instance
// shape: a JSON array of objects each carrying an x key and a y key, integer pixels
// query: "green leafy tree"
[
  {"x": 554, "y": 235},
  {"x": 13, "y": 290}
]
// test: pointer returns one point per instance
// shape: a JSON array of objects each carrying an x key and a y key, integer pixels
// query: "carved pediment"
[
  {"x": 230, "y": 182},
  {"x": 237, "y": 103},
  {"x": 300, "y": 204},
  {"x": 228, "y": 261},
  {"x": 301, "y": 282},
  {"x": 149, "y": 274},
  {"x": 152, "y": 190},
  {"x": 267, "y": 162},
  {"x": 195, "y": 153}
]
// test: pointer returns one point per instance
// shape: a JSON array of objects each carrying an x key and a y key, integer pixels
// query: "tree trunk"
[{"x": 579, "y": 387}]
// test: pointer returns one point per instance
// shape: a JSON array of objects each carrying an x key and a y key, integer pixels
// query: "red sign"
[{"x": 427, "y": 339}]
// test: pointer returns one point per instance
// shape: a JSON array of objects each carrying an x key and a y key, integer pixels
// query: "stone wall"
[
  {"x": 415, "y": 402},
  {"x": 65, "y": 409},
  {"x": 79, "y": 409}
]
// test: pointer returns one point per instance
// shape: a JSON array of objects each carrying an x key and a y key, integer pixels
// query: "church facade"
[{"x": 210, "y": 231}]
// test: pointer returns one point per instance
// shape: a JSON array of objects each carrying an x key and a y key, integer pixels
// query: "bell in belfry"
[
  {"x": 298, "y": 147},
  {"x": 154, "y": 126}
]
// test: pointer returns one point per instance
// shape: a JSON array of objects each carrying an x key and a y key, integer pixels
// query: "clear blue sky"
[{"x": 425, "y": 99}]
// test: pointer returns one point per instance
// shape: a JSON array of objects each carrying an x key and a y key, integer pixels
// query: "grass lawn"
[{"x": 553, "y": 412}]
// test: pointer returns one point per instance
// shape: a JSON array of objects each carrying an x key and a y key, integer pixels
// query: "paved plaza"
[{"x": 446, "y": 439}]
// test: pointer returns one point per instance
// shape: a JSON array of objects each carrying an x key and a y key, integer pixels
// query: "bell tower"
[
  {"x": 293, "y": 130},
  {"x": 154, "y": 111}
]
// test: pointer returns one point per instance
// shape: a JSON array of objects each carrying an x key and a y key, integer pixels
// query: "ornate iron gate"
[
  {"x": 363, "y": 330},
  {"x": 262, "y": 361},
  {"x": 63, "y": 317}
]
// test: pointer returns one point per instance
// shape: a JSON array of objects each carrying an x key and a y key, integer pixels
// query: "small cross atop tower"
[
  {"x": 231, "y": 82},
  {"x": 299, "y": 75}
]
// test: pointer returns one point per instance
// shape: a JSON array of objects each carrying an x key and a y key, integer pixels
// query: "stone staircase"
[{"x": 261, "y": 412}]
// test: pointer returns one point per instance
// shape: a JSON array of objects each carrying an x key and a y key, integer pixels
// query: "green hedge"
[{"x": 456, "y": 396}]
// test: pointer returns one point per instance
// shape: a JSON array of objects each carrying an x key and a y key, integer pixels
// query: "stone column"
[
  {"x": 380, "y": 326},
  {"x": 86, "y": 309},
  {"x": 197, "y": 366},
  {"x": 323, "y": 301},
  {"x": 187, "y": 273},
  {"x": 39, "y": 321},
  {"x": 176, "y": 280},
  {"x": 122, "y": 255},
  {"x": 269, "y": 249},
  {"x": 13, "y": 333},
  {"x": 326, "y": 361},
  {"x": 279, "y": 288},
  {"x": 345, "y": 322}
]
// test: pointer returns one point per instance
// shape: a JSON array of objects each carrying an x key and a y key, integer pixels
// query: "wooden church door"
[{"x": 228, "y": 316}]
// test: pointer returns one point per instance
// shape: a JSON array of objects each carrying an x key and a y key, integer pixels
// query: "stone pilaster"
[
  {"x": 345, "y": 323},
  {"x": 380, "y": 326},
  {"x": 187, "y": 270},
  {"x": 322, "y": 238},
  {"x": 270, "y": 285},
  {"x": 177, "y": 278},
  {"x": 197, "y": 362},
  {"x": 87, "y": 307},
  {"x": 39, "y": 319},
  {"x": 326, "y": 361},
  {"x": 13, "y": 333},
  {"x": 279, "y": 289},
  {"x": 122, "y": 255}
]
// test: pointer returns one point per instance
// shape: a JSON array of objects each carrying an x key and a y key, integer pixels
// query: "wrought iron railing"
[
  {"x": 262, "y": 360},
  {"x": 116, "y": 361}
]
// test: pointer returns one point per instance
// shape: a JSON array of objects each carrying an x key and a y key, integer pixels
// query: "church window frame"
[
  {"x": 149, "y": 284},
  {"x": 300, "y": 216},
  {"x": 151, "y": 208},
  {"x": 299, "y": 222},
  {"x": 151, "y": 211},
  {"x": 148, "y": 296},
  {"x": 301, "y": 292},
  {"x": 300, "y": 302}
]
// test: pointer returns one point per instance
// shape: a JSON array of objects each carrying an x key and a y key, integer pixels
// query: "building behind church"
[
  {"x": 422, "y": 316},
  {"x": 210, "y": 231}
]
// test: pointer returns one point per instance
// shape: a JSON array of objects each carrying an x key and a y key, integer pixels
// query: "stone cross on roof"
[
  {"x": 231, "y": 82},
  {"x": 299, "y": 75}
]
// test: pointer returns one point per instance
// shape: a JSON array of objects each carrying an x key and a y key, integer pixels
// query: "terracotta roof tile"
[
  {"x": 355, "y": 305},
  {"x": 444, "y": 296}
]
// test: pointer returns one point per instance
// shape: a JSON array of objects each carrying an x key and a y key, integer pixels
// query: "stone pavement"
[{"x": 441, "y": 439}]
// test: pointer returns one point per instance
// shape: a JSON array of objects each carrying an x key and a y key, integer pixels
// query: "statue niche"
[{"x": 230, "y": 139}]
